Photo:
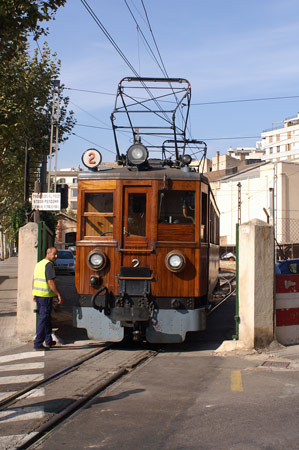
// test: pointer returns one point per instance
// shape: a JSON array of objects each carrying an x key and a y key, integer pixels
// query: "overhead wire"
[
  {"x": 119, "y": 51},
  {"x": 143, "y": 36},
  {"x": 161, "y": 59},
  {"x": 284, "y": 97},
  {"x": 91, "y": 142},
  {"x": 246, "y": 100},
  {"x": 162, "y": 65},
  {"x": 91, "y": 115}
]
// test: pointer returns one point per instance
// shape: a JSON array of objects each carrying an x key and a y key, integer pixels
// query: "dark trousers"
[{"x": 44, "y": 326}]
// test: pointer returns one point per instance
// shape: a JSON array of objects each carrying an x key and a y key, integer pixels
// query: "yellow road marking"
[{"x": 236, "y": 381}]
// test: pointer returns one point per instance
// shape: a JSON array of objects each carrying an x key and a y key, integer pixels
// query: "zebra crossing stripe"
[
  {"x": 40, "y": 392},
  {"x": 25, "y": 413},
  {"x": 18, "y": 356},
  {"x": 25, "y": 366},
  {"x": 21, "y": 378}
]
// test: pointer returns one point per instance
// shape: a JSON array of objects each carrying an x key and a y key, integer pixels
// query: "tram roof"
[{"x": 154, "y": 173}]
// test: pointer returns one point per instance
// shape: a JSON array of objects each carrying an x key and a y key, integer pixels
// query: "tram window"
[
  {"x": 204, "y": 217},
  {"x": 176, "y": 207},
  {"x": 98, "y": 214},
  {"x": 212, "y": 224},
  {"x": 100, "y": 202},
  {"x": 136, "y": 214}
]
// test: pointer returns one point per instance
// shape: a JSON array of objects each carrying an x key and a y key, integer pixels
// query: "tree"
[
  {"x": 25, "y": 119},
  {"x": 20, "y": 17},
  {"x": 25, "y": 98}
]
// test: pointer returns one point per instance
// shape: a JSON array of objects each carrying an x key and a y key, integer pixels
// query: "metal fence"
[
  {"x": 45, "y": 240},
  {"x": 287, "y": 231}
]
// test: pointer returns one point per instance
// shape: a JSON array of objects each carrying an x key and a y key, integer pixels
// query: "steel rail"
[
  {"x": 221, "y": 301},
  {"x": 56, "y": 420},
  {"x": 226, "y": 297},
  {"x": 54, "y": 376}
]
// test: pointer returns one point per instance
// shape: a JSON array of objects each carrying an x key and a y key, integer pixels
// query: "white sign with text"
[{"x": 46, "y": 201}]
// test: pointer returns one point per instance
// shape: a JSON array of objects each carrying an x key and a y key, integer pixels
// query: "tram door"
[{"x": 136, "y": 226}]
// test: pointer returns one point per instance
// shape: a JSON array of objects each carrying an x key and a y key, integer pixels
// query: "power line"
[
  {"x": 246, "y": 100},
  {"x": 119, "y": 51},
  {"x": 86, "y": 90},
  {"x": 92, "y": 126},
  {"x": 204, "y": 139},
  {"x": 227, "y": 138},
  {"x": 144, "y": 38},
  {"x": 91, "y": 115},
  {"x": 285, "y": 97},
  {"x": 91, "y": 142}
]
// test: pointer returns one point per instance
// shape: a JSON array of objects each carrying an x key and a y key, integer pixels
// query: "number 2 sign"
[{"x": 92, "y": 158}]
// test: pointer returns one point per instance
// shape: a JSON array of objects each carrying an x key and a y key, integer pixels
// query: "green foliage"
[
  {"x": 19, "y": 218},
  {"x": 25, "y": 117},
  {"x": 50, "y": 219},
  {"x": 26, "y": 85},
  {"x": 18, "y": 18},
  {"x": 71, "y": 213}
]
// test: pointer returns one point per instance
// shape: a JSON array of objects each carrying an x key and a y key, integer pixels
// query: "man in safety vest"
[{"x": 44, "y": 289}]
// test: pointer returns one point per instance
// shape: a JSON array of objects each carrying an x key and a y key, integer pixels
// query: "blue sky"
[{"x": 228, "y": 50}]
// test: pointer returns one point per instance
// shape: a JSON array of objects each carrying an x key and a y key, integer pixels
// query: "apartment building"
[
  {"x": 281, "y": 142},
  {"x": 69, "y": 177},
  {"x": 268, "y": 191}
]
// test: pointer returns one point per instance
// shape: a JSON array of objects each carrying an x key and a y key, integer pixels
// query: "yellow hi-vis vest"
[{"x": 40, "y": 285}]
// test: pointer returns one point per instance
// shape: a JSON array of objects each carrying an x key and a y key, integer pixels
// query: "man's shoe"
[
  {"x": 42, "y": 348},
  {"x": 51, "y": 344}
]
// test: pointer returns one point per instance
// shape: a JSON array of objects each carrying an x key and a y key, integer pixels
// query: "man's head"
[{"x": 51, "y": 254}]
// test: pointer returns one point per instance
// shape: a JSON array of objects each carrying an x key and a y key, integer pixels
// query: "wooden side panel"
[
  {"x": 83, "y": 272},
  {"x": 203, "y": 269},
  {"x": 143, "y": 258},
  {"x": 182, "y": 284},
  {"x": 95, "y": 185},
  {"x": 173, "y": 232}
]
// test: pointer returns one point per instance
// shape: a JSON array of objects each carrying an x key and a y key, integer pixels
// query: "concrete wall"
[
  {"x": 256, "y": 287},
  {"x": 256, "y": 283},
  {"x": 26, "y": 318},
  {"x": 255, "y": 196}
]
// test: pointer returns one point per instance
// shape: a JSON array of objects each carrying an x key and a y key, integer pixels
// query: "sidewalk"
[{"x": 8, "y": 300}]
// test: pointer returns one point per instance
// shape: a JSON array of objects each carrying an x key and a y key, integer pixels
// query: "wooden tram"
[{"x": 147, "y": 242}]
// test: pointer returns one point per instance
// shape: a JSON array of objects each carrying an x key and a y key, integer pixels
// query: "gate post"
[
  {"x": 28, "y": 238},
  {"x": 256, "y": 281}
]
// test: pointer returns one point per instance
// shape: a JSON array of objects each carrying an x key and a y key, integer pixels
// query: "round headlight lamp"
[
  {"x": 186, "y": 159},
  {"x": 137, "y": 154},
  {"x": 97, "y": 259},
  {"x": 175, "y": 261}
]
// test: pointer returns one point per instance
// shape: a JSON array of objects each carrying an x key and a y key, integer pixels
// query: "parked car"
[
  {"x": 228, "y": 256},
  {"x": 65, "y": 262},
  {"x": 72, "y": 248},
  {"x": 288, "y": 267}
]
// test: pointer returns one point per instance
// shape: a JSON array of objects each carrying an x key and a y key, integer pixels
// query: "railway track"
[
  {"x": 68, "y": 390},
  {"x": 227, "y": 290}
]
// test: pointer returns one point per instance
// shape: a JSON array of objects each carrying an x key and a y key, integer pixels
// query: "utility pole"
[
  {"x": 54, "y": 131},
  {"x": 26, "y": 174},
  {"x": 239, "y": 202}
]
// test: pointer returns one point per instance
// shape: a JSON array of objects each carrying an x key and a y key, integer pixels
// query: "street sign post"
[{"x": 46, "y": 201}]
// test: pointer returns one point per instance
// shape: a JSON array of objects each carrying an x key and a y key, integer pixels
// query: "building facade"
[
  {"x": 281, "y": 143},
  {"x": 267, "y": 191}
]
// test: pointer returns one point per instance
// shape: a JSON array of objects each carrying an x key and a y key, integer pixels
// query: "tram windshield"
[{"x": 176, "y": 207}]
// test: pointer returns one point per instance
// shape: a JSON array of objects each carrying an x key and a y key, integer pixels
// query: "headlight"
[
  {"x": 137, "y": 154},
  {"x": 97, "y": 259},
  {"x": 175, "y": 261}
]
